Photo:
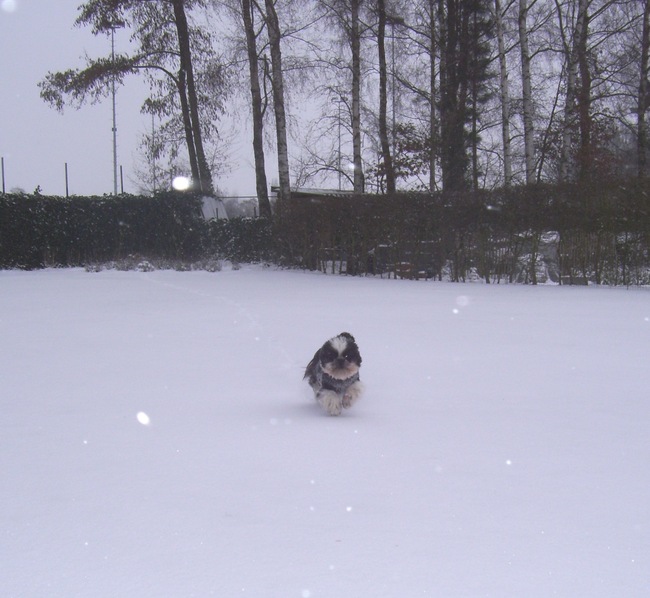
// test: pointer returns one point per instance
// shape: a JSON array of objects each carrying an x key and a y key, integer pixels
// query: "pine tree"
[{"x": 465, "y": 27}]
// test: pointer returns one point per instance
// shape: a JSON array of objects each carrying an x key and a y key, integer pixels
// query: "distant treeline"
[{"x": 532, "y": 234}]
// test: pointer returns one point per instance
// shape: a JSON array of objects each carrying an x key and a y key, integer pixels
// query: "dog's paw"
[
  {"x": 334, "y": 409},
  {"x": 352, "y": 395},
  {"x": 330, "y": 401}
]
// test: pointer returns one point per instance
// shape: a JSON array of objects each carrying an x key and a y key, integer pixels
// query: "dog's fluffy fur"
[{"x": 333, "y": 373}]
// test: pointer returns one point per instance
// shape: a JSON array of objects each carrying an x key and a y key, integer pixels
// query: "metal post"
[
  {"x": 339, "y": 164},
  {"x": 67, "y": 189},
  {"x": 114, "y": 118},
  {"x": 3, "y": 175},
  {"x": 338, "y": 160},
  {"x": 153, "y": 151}
]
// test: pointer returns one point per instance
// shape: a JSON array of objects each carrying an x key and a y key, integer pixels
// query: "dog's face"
[{"x": 340, "y": 357}]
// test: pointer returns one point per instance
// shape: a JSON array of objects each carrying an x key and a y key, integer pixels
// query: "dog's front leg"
[
  {"x": 330, "y": 401},
  {"x": 352, "y": 394}
]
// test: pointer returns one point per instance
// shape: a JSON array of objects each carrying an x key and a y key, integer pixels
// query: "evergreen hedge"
[
  {"x": 38, "y": 231},
  {"x": 599, "y": 233}
]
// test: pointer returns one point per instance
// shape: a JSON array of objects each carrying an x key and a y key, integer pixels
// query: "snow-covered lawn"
[{"x": 157, "y": 440}]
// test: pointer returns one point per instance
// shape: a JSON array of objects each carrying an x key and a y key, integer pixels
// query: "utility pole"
[
  {"x": 339, "y": 157},
  {"x": 153, "y": 152},
  {"x": 338, "y": 160},
  {"x": 113, "y": 27}
]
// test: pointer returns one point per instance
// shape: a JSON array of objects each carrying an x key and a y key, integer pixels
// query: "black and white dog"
[{"x": 333, "y": 373}]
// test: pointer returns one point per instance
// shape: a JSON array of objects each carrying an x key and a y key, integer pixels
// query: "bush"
[
  {"x": 38, "y": 231},
  {"x": 245, "y": 240},
  {"x": 525, "y": 234}
]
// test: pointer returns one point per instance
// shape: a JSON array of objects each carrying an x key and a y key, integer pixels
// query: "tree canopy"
[{"x": 387, "y": 94}]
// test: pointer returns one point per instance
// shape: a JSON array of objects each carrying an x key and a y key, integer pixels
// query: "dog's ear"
[{"x": 312, "y": 365}]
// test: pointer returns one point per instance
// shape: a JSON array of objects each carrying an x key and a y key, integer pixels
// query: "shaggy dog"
[{"x": 333, "y": 373}]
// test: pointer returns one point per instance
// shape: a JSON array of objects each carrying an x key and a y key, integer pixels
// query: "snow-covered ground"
[{"x": 156, "y": 438}]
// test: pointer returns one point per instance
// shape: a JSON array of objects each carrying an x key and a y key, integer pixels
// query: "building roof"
[{"x": 313, "y": 192}]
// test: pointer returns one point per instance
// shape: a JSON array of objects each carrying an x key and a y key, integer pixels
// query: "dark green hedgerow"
[
  {"x": 245, "y": 240},
  {"x": 39, "y": 231},
  {"x": 599, "y": 233}
]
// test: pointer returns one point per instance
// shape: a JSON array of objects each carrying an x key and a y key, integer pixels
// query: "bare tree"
[
  {"x": 433, "y": 124},
  {"x": 505, "y": 94},
  {"x": 571, "y": 69},
  {"x": 355, "y": 45},
  {"x": 643, "y": 100},
  {"x": 258, "y": 107},
  {"x": 186, "y": 77},
  {"x": 583, "y": 92},
  {"x": 526, "y": 94},
  {"x": 273, "y": 26},
  {"x": 346, "y": 16},
  {"x": 419, "y": 128},
  {"x": 383, "y": 100}
]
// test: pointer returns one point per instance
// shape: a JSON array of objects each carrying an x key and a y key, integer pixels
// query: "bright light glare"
[
  {"x": 9, "y": 5},
  {"x": 143, "y": 418},
  {"x": 181, "y": 183}
]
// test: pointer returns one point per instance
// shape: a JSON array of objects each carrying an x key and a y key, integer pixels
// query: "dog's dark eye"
[{"x": 328, "y": 355}]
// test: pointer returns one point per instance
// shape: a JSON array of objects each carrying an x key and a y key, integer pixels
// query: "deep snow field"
[{"x": 157, "y": 439}]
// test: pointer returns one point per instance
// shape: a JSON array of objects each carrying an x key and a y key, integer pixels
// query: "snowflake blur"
[
  {"x": 9, "y": 5},
  {"x": 143, "y": 418}
]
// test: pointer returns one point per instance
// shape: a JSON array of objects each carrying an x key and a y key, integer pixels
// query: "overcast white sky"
[{"x": 37, "y": 36}]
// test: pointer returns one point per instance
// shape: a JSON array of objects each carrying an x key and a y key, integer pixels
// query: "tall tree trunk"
[
  {"x": 187, "y": 126},
  {"x": 583, "y": 96},
  {"x": 205, "y": 178},
  {"x": 454, "y": 56},
  {"x": 258, "y": 113},
  {"x": 505, "y": 95},
  {"x": 446, "y": 98},
  {"x": 355, "y": 44},
  {"x": 527, "y": 96},
  {"x": 567, "y": 163},
  {"x": 473, "y": 82},
  {"x": 278, "y": 100},
  {"x": 433, "y": 125},
  {"x": 642, "y": 101},
  {"x": 383, "y": 100}
]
